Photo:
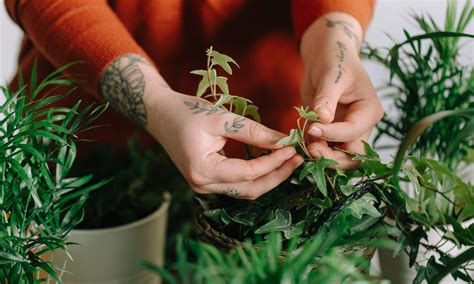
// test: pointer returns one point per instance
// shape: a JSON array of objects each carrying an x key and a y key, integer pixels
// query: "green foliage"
[
  {"x": 319, "y": 192},
  {"x": 40, "y": 202},
  {"x": 427, "y": 77},
  {"x": 214, "y": 83},
  {"x": 319, "y": 260}
]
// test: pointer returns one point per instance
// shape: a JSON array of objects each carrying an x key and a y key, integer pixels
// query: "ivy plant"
[{"x": 319, "y": 192}]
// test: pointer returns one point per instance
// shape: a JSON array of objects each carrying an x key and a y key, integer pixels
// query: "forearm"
[
  {"x": 135, "y": 88},
  {"x": 329, "y": 32}
]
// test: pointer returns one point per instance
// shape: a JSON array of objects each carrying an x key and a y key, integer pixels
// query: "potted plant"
[
  {"x": 40, "y": 200},
  {"x": 125, "y": 221},
  {"x": 319, "y": 192},
  {"x": 426, "y": 79}
]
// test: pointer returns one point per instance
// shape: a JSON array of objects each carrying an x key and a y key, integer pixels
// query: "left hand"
[{"x": 336, "y": 86}]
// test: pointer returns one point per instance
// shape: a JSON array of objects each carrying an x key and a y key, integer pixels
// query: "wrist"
[{"x": 324, "y": 33}]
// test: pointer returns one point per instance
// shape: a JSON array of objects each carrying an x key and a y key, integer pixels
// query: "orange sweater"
[{"x": 174, "y": 35}]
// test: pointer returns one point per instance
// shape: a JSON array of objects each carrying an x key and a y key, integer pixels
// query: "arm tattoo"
[
  {"x": 123, "y": 85},
  {"x": 346, "y": 27},
  {"x": 235, "y": 126},
  {"x": 232, "y": 192},
  {"x": 340, "y": 57}
]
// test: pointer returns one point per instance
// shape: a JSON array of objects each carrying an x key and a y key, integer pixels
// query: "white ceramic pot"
[{"x": 111, "y": 255}]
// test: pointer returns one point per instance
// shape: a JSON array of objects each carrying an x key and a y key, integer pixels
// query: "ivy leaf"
[
  {"x": 222, "y": 84},
  {"x": 291, "y": 140},
  {"x": 222, "y": 60},
  {"x": 317, "y": 172},
  {"x": 253, "y": 112},
  {"x": 219, "y": 216},
  {"x": 293, "y": 231},
  {"x": 306, "y": 114},
  {"x": 203, "y": 84},
  {"x": 364, "y": 205},
  {"x": 370, "y": 162},
  {"x": 223, "y": 99},
  {"x": 281, "y": 222}
]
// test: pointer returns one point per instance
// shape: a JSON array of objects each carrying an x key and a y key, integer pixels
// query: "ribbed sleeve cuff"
[
  {"x": 305, "y": 12},
  {"x": 86, "y": 31}
]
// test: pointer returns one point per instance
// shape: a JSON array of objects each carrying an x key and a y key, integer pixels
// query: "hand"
[
  {"x": 193, "y": 133},
  {"x": 336, "y": 86}
]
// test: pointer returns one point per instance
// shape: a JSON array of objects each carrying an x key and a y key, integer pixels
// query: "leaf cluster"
[
  {"x": 319, "y": 192},
  {"x": 427, "y": 77},
  {"x": 319, "y": 260},
  {"x": 40, "y": 202}
]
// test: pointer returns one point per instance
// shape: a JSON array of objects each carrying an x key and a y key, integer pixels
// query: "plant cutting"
[
  {"x": 40, "y": 200},
  {"x": 428, "y": 78},
  {"x": 319, "y": 191}
]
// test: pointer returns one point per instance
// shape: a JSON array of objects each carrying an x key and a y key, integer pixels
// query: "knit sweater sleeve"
[
  {"x": 65, "y": 31},
  {"x": 305, "y": 12}
]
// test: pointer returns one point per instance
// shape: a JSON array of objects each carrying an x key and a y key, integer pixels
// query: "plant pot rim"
[{"x": 160, "y": 211}]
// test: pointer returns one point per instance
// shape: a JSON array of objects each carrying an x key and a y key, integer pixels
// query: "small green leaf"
[
  {"x": 222, "y": 60},
  {"x": 306, "y": 114},
  {"x": 293, "y": 139},
  {"x": 317, "y": 172},
  {"x": 281, "y": 222},
  {"x": 203, "y": 84}
]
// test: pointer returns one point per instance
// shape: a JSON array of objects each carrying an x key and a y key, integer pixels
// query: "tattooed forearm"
[
  {"x": 232, "y": 192},
  {"x": 346, "y": 27},
  {"x": 236, "y": 125},
  {"x": 123, "y": 85},
  {"x": 340, "y": 56}
]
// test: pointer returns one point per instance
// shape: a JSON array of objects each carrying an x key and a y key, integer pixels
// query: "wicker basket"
[{"x": 205, "y": 232}]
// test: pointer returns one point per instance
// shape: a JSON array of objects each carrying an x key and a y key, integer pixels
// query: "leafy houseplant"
[
  {"x": 319, "y": 192},
  {"x": 427, "y": 76},
  {"x": 263, "y": 263},
  {"x": 40, "y": 202}
]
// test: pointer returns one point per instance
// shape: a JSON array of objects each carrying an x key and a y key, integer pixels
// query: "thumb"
[{"x": 325, "y": 101}]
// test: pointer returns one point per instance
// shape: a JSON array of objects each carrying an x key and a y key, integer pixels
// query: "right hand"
[{"x": 194, "y": 133}]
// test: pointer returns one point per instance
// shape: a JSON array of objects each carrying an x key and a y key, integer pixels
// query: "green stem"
[{"x": 453, "y": 265}]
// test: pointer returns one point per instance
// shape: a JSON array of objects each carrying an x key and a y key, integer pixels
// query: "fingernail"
[
  {"x": 315, "y": 131},
  {"x": 323, "y": 111},
  {"x": 290, "y": 152}
]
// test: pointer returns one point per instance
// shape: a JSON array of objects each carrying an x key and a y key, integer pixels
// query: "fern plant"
[{"x": 39, "y": 201}]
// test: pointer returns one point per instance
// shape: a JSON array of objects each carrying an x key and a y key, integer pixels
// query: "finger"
[
  {"x": 326, "y": 100},
  {"x": 344, "y": 160},
  {"x": 361, "y": 116},
  {"x": 250, "y": 132},
  {"x": 253, "y": 189},
  {"x": 237, "y": 170},
  {"x": 322, "y": 149}
]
